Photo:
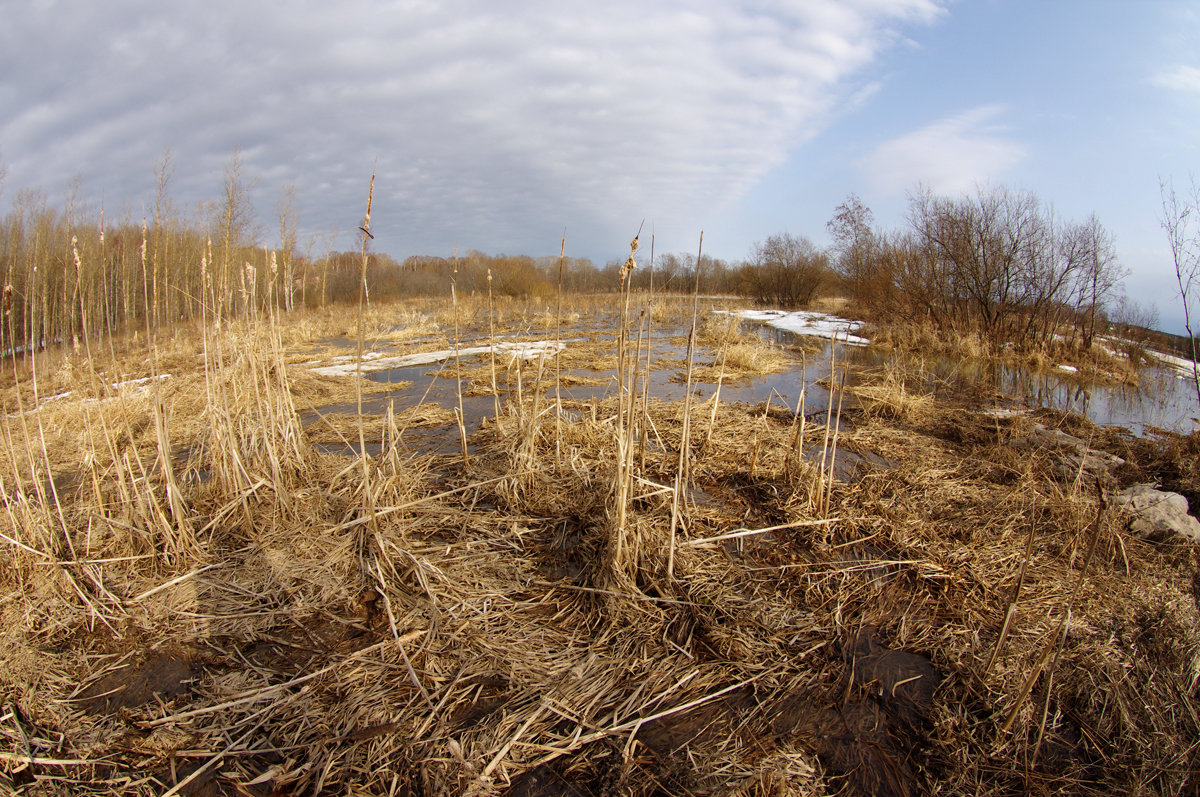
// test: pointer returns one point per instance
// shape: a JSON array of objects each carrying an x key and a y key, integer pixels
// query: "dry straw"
[{"x": 199, "y": 597}]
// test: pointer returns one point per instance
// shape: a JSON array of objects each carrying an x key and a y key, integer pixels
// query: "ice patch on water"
[
  {"x": 805, "y": 322},
  {"x": 377, "y": 361}
]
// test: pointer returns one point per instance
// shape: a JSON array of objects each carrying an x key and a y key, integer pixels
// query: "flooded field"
[
  {"x": 586, "y": 373},
  {"x": 274, "y": 557}
]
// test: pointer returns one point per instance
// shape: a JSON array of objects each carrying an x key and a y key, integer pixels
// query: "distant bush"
[{"x": 785, "y": 271}]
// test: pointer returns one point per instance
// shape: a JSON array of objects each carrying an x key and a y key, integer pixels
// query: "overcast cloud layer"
[{"x": 494, "y": 125}]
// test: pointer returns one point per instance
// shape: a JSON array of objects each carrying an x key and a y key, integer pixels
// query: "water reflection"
[{"x": 1163, "y": 400}]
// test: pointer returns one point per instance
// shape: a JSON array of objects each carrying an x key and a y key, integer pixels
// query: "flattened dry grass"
[
  {"x": 959, "y": 618},
  {"x": 737, "y": 354},
  {"x": 887, "y": 394}
]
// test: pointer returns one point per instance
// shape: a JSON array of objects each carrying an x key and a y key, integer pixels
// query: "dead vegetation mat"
[{"x": 950, "y": 615}]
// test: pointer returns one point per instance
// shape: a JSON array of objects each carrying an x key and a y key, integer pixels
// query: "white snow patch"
[
  {"x": 377, "y": 361},
  {"x": 144, "y": 380},
  {"x": 1004, "y": 412},
  {"x": 804, "y": 322},
  {"x": 139, "y": 386},
  {"x": 1070, "y": 369},
  {"x": 1181, "y": 365}
]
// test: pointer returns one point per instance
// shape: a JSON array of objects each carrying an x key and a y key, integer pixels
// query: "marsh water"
[{"x": 1164, "y": 399}]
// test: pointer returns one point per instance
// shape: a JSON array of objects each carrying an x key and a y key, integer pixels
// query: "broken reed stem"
[
  {"x": 458, "y": 412},
  {"x": 681, "y": 472},
  {"x": 797, "y": 445},
  {"x": 837, "y": 426},
  {"x": 716, "y": 397},
  {"x": 818, "y": 506},
  {"x": 740, "y": 533},
  {"x": 580, "y": 741},
  {"x": 755, "y": 450},
  {"x": 387, "y": 605}
]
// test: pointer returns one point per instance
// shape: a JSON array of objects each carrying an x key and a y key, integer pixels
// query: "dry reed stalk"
[
  {"x": 492, "y": 347},
  {"x": 649, "y": 345},
  {"x": 837, "y": 425},
  {"x": 59, "y": 519},
  {"x": 1059, "y": 636},
  {"x": 757, "y": 442},
  {"x": 1011, "y": 611},
  {"x": 462, "y": 429},
  {"x": 818, "y": 505},
  {"x": 796, "y": 448},
  {"x": 681, "y": 473},
  {"x": 365, "y": 229},
  {"x": 629, "y": 433},
  {"x": 284, "y": 660},
  {"x": 562, "y": 251},
  {"x": 716, "y": 396},
  {"x": 626, "y": 399}
]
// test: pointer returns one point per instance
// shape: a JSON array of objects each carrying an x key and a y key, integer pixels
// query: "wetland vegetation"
[{"x": 257, "y": 542}]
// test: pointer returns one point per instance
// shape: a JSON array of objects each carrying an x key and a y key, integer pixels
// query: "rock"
[
  {"x": 1073, "y": 452},
  {"x": 1158, "y": 514}
]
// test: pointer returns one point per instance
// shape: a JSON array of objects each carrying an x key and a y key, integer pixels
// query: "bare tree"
[
  {"x": 1136, "y": 320},
  {"x": 786, "y": 270},
  {"x": 1180, "y": 222},
  {"x": 236, "y": 230},
  {"x": 1101, "y": 273},
  {"x": 1001, "y": 264},
  {"x": 853, "y": 242}
]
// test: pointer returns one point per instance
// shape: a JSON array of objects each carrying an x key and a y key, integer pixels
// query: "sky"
[{"x": 497, "y": 126}]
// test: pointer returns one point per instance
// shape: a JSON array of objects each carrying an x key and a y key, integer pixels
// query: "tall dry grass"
[{"x": 198, "y": 596}]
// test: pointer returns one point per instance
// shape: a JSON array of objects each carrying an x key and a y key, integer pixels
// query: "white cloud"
[
  {"x": 1180, "y": 78},
  {"x": 493, "y": 124},
  {"x": 951, "y": 155}
]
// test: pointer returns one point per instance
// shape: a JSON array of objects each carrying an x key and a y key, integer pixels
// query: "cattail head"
[
  {"x": 627, "y": 269},
  {"x": 630, "y": 263},
  {"x": 370, "y": 200}
]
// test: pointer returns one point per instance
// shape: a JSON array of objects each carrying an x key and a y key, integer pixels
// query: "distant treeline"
[{"x": 998, "y": 265}]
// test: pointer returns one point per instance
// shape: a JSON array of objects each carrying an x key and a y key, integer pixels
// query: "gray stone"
[
  {"x": 1157, "y": 513},
  {"x": 1074, "y": 454}
]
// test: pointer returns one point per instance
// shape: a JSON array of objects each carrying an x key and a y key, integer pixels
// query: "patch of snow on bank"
[
  {"x": 804, "y": 322},
  {"x": 1181, "y": 365},
  {"x": 142, "y": 382},
  {"x": 130, "y": 387},
  {"x": 376, "y": 361}
]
